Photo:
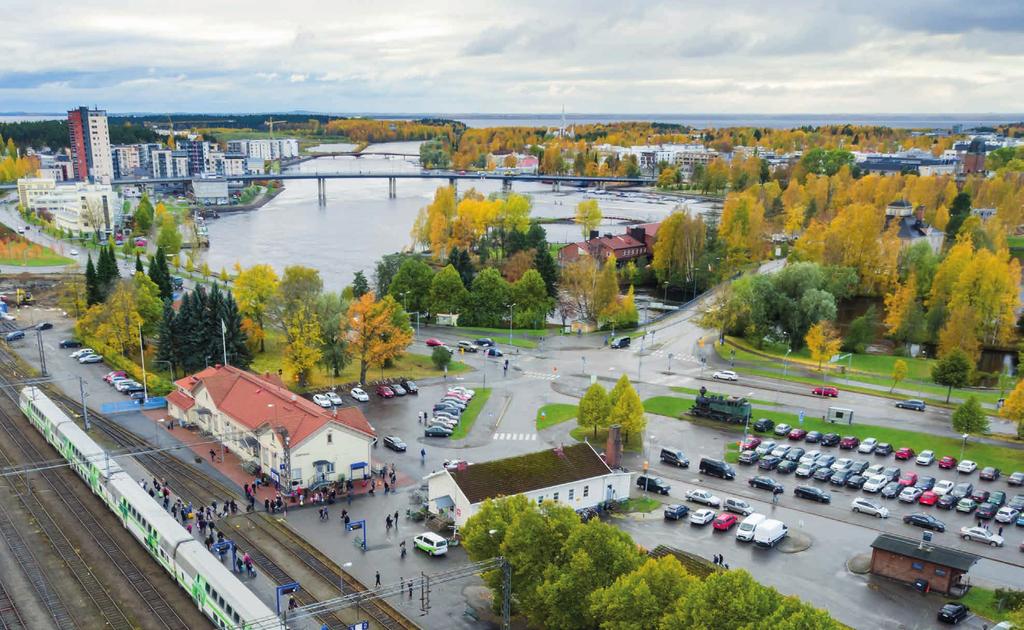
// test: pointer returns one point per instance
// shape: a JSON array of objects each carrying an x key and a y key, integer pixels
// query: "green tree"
[
  {"x": 411, "y": 285},
  {"x": 138, "y": 264},
  {"x": 93, "y": 295},
  {"x": 588, "y": 216},
  {"x": 969, "y": 417},
  {"x": 532, "y": 301},
  {"x": 441, "y": 357},
  {"x": 628, "y": 411},
  {"x": 594, "y": 408},
  {"x": 167, "y": 348},
  {"x": 147, "y": 302},
  {"x": 160, "y": 274},
  {"x": 826, "y": 161},
  {"x": 618, "y": 389},
  {"x": 641, "y": 598},
  {"x": 144, "y": 215},
  {"x": 459, "y": 258},
  {"x": 725, "y": 599},
  {"x": 952, "y": 370},
  {"x": 861, "y": 331},
  {"x": 236, "y": 341},
  {"x": 300, "y": 287},
  {"x": 513, "y": 217},
  {"x": 485, "y": 532},
  {"x": 331, "y": 309},
  {"x": 545, "y": 265},
  {"x": 792, "y": 614},
  {"x": 899, "y": 372},
  {"x": 489, "y": 300},
  {"x": 359, "y": 285},
  {"x": 447, "y": 293},
  {"x": 385, "y": 271},
  {"x": 169, "y": 237}
]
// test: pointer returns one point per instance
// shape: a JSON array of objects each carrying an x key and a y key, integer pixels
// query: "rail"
[{"x": 10, "y": 618}]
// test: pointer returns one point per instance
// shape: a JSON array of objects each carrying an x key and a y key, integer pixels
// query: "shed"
[{"x": 908, "y": 560}]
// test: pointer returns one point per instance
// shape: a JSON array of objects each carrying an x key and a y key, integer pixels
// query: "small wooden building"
[{"x": 908, "y": 560}]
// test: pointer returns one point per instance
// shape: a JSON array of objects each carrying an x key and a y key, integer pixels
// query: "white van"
[
  {"x": 769, "y": 532},
  {"x": 745, "y": 532},
  {"x": 431, "y": 543}
]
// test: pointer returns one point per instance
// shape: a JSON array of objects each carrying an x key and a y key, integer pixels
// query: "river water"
[{"x": 359, "y": 224}]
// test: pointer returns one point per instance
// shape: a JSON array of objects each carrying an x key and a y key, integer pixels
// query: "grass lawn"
[
  {"x": 412, "y": 366},
  {"x": 1015, "y": 242},
  {"x": 639, "y": 504},
  {"x": 49, "y": 258},
  {"x": 732, "y": 452},
  {"x": 555, "y": 413},
  {"x": 497, "y": 332},
  {"x": 982, "y": 601},
  {"x": 523, "y": 343},
  {"x": 694, "y": 392},
  {"x": 471, "y": 412},
  {"x": 579, "y": 433}
]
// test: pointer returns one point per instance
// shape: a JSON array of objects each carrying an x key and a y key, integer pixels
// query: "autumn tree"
[
  {"x": 114, "y": 323},
  {"x": 740, "y": 228},
  {"x": 960, "y": 333},
  {"x": 680, "y": 243},
  {"x": 606, "y": 292},
  {"x": 578, "y": 287},
  {"x": 255, "y": 287},
  {"x": 903, "y": 312},
  {"x": 628, "y": 411},
  {"x": 823, "y": 341},
  {"x": 303, "y": 351},
  {"x": 588, "y": 216},
  {"x": 594, "y": 408},
  {"x": 331, "y": 311},
  {"x": 794, "y": 201},
  {"x": 380, "y": 331},
  {"x": 1013, "y": 408},
  {"x": 899, "y": 372}
]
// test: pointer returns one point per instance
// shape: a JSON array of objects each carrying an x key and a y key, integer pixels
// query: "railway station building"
[{"x": 289, "y": 438}]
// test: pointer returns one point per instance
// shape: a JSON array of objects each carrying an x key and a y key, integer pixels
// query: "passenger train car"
[{"x": 213, "y": 587}]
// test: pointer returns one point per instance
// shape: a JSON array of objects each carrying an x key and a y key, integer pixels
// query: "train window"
[{"x": 207, "y": 588}]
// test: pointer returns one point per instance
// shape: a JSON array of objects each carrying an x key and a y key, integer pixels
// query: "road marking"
[
  {"x": 541, "y": 375},
  {"x": 515, "y": 437}
]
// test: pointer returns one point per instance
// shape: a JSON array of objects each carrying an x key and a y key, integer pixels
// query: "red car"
[
  {"x": 385, "y": 392},
  {"x": 111, "y": 375},
  {"x": 908, "y": 479},
  {"x": 724, "y": 522},
  {"x": 904, "y": 453},
  {"x": 797, "y": 434},
  {"x": 433, "y": 342},
  {"x": 947, "y": 462},
  {"x": 825, "y": 391},
  {"x": 751, "y": 443},
  {"x": 849, "y": 442},
  {"x": 928, "y": 498}
]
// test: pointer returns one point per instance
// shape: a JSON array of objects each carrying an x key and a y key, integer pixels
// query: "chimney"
[
  {"x": 613, "y": 449},
  {"x": 594, "y": 234}
]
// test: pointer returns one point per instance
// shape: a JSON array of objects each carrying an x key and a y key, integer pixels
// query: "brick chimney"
[{"x": 613, "y": 449}]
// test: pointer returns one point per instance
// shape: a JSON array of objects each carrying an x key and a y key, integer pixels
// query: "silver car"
[{"x": 865, "y": 506}]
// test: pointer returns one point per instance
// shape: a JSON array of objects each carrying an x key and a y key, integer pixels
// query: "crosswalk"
[
  {"x": 513, "y": 437},
  {"x": 546, "y": 376}
]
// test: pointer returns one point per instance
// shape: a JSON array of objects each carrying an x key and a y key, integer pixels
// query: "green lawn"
[
  {"x": 694, "y": 392},
  {"x": 555, "y": 413},
  {"x": 732, "y": 452},
  {"x": 639, "y": 504},
  {"x": 1015, "y": 242},
  {"x": 579, "y": 433},
  {"x": 982, "y": 601},
  {"x": 470, "y": 414},
  {"x": 47, "y": 259},
  {"x": 497, "y": 332},
  {"x": 523, "y": 343}
]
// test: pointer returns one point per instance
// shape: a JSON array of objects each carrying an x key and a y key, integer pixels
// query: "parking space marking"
[{"x": 512, "y": 437}]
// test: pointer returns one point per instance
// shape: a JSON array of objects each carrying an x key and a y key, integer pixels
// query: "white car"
[
  {"x": 359, "y": 395},
  {"x": 465, "y": 390},
  {"x": 943, "y": 487},
  {"x": 809, "y": 457},
  {"x": 91, "y": 358},
  {"x": 125, "y": 384},
  {"x": 865, "y": 506},
  {"x": 1007, "y": 514},
  {"x": 875, "y": 483},
  {"x": 703, "y": 496},
  {"x": 335, "y": 398},
  {"x": 925, "y": 458},
  {"x": 82, "y": 352},
  {"x": 867, "y": 446},
  {"x": 725, "y": 375},
  {"x": 981, "y": 534},
  {"x": 842, "y": 464},
  {"x": 74, "y": 252},
  {"x": 702, "y": 517},
  {"x": 453, "y": 464},
  {"x": 323, "y": 400},
  {"x": 966, "y": 466}
]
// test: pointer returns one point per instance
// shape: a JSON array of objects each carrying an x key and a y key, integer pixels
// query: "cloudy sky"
[{"x": 623, "y": 56}]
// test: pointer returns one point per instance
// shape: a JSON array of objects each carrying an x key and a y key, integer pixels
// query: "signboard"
[{"x": 362, "y": 625}]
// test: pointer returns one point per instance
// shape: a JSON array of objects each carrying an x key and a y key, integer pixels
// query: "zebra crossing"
[
  {"x": 513, "y": 437},
  {"x": 547, "y": 376}
]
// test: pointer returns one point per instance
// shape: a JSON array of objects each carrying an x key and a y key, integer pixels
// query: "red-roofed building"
[
  {"x": 637, "y": 242},
  {"x": 289, "y": 437}
]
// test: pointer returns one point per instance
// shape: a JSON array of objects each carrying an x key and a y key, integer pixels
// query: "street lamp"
[
  {"x": 746, "y": 421},
  {"x": 962, "y": 447},
  {"x": 510, "y": 307},
  {"x": 584, "y": 359},
  {"x": 785, "y": 363}
]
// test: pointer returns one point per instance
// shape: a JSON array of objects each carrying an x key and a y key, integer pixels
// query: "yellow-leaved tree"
[
  {"x": 1013, "y": 408},
  {"x": 588, "y": 216},
  {"x": 822, "y": 341},
  {"x": 378, "y": 331},
  {"x": 254, "y": 289},
  {"x": 741, "y": 228},
  {"x": 303, "y": 352}
]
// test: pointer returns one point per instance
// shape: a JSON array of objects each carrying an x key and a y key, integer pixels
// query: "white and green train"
[{"x": 214, "y": 589}]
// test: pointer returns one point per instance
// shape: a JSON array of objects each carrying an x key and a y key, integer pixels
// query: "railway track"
[
  {"x": 10, "y": 618},
  {"x": 70, "y": 497},
  {"x": 44, "y": 590}
]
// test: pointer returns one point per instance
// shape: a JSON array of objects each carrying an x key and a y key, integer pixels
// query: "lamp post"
[
  {"x": 785, "y": 363},
  {"x": 746, "y": 422},
  {"x": 510, "y": 307},
  {"x": 963, "y": 446},
  {"x": 584, "y": 359},
  {"x": 142, "y": 358}
]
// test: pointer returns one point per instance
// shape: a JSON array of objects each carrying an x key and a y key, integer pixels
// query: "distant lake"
[{"x": 14, "y": 118}]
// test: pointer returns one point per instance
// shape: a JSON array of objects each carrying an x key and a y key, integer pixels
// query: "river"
[{"x": 360, "y": 224}]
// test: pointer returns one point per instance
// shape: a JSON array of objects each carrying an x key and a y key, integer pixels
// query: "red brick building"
[
  {"x": 637, "y": 242},
  {"x": 908, "y": 560}
]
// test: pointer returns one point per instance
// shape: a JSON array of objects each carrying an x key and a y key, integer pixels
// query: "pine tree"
[
  {"x": 160, "y": 274},
  {"x": 236, "y": 341},
  {"x": 138, "y": 264},
  {"x": 92, "y": 287},
  {"x": 167, "y": 345},
  {"x": 211, "y": 324},
  {"x": 190, "y": 338},
  {"x": 545, "y": 265},
  {"x": 359, "y": 285}
]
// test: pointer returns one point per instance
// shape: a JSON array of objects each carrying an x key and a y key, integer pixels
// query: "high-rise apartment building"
[{"x": 90, "y": 144}]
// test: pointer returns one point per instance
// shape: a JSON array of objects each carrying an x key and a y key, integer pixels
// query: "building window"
[
  {"x": 586, "y": 491},
  {"x": 571, "y": 493},
  {"x": 940, "y": 572},
  {"x": 917, "y": 566},
  {"x": 555, "y": 497},
  {"x": 540, "y": 499},
  {"x": 329, "y": 438}
]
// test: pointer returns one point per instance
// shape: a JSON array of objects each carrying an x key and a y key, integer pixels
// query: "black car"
[
  {"x": 989, "y": 473},
  {"x": 44, "y": 326},
  {"x": 858, "y": 468},
  {"x": 812, "y": 493},
  {"x": 830, "y": 439},
  {"x": 946, "y": 502},
  {"x": 823, "y": 474},
  {"x": 411, "y": 387},
  {"x": 840, "y": 478},
  {"x": 395, "y": 443},
  {"x": 765, "y": 483},
  {"x": 856, "y": 481},
  {"x": 986, "y": 510},
  {"x": 764, "y": 425},
  {"x": 436, "y": 431},
  {"x": 1015, "y": 479},
  {"x": 70, "y": 343},
  {"x": 825, "y": 461},
  {"x": 925, "y": 483},
  {"x": 484, "y": 342},
  {"x": 769, "y": 462},
  {"x": 812, "y": 437},
  {"x": 981, "y": 496},
  {"x": 883, "y": 449},
  {"x": 786, "y": 466},
  {"x": 652, "y": 484},
  {"x": 926, "y": 521},
  {"x": 1017, "y": 502},
  {"x": 794, "y": 454},
  {"x": 675, "y": 512},
  {"x": 962, "y": 489},
  {"x": 892, "y": 472},
  {"x": 998, "y": 497},
  {"x": 953, "y": 613},
  {"x": 892, "y": 490}
]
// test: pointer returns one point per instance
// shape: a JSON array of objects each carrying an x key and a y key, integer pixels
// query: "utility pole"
[
  {"x": 142, "y": 358},
  {"x": 85, "y": 407},
  {"x": 42, "y": 355}
]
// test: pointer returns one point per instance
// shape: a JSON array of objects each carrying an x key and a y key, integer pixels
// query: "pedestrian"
[
  {"x": 423, "y": 455},
  {"x": 266, "y": 504},
  {"x": 410, "y": 589},
  {"x": 1000, "y": 530},
  {"x": 349, "y": 495},
  {"x": 401, "y": 546},
  {"x": 396, "y": 520},
  {"x": 378, "y": 580},
  {"x": 388, "y": 523},
  {"x": 292, "y": 604},
  {"x": 213, "y": 453},
  {"x": 387, "y": 488}
]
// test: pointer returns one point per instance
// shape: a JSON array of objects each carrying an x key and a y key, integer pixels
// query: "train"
[
  {"x": 719, "y": 407},
  {"x": 213, "y": 588}
]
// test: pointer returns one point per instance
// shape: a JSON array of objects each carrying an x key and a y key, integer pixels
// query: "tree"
[
  {"x": 533, "y": 304},
  {"x": 380, "y": 331},
  {"x": 740, "y": 228},
  {"x": 969, "y": 417},
  {"x": 1013, "y": 408},
  {"x": 668, "y": 177},
  {"x": 606, "y": 293},
  {"x": 138, "y": 264},
  {"x": 147, "y": 302},
  {"x": 144, "y": 215},
  {"x": 411, "y": 285},
  {"x": 160, "y": 274},
  {"x": 725, "y": 599},
  {"x": 513, "y": 217},
  {"x": 167, "y": 348},
  {"x": 331, "y": 309},
  {"x": 73, "y": 295},
  {"x": 594, "y": 408},
  {"x": 861, "y": 331},
  {"x": 303, "y": 351},
  {"x": 545, "y": 265},
  {"x": 441, "y": 357},
  {"x": 578, "y": 284},
  {"x": 93, "y": 295},
  {"x": 236, "y": 341},
  {"x": 902, "y": 310},
  {"x": 115, "y": 322},
  {"x": 489, "y": 299},
  {"x": 483, "y": 537},
  {"x": 960, "y": 332},
  {"x": 680, "y": 243},
  {"x": 952, "y": 370},
  {"x": 169, "y": 237},
  {"x": 641, "y": 598},
  {"x": 385, "y": 270},
  {"x": 588, "y": 215},
  {"x": 447, "y": 293},
  {"x": 825, "y": 161},
  {"x": 822, "y": 341},
  {"x": 459, "y": 258},
  {"x": 628, "y": 412},
  {"x": 899, "y": 372},
  {"x": 255, "y": 287},
  {"x": 359, "y": 284}
]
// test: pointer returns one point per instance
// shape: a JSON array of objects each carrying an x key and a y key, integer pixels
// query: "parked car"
[
  {"x": 840, "y": 477},
  {"x": 484, "y": 342},
  {"x": 675, "y": 457},
  {"x": 467, "y": 346},
  {"x": 411, "y": 387},
  {"x": 780, "y": 451},
  {"x": 812, "y": 493},
  {"x": 946, "y": 462},
  {"x": 989, "y": 473},
  {"x": 91, "y": 358},
  {"x": 794, "y": 454},
  {"x": 675, "y": 512},
  {"x": 910, "y": 494},
  {"x": 769, "y": 462},
  {"x": 385, "y": 392},
  {"x": 1017, "y": 502},
  {"x": 358, "y": 394},
  {"x": 823, "y": 474},
  {"x": 849, "y": 442},
  {"x": 943, "y": 486},
  {"x": 986, "y": 511},
  {"x": 925, "y": 483},
  {"x": 323, "y": 400},
  {"x": 493, "y": 352},
  {"x": 395, "y": 443},
  {"x": 737, "y": 506},
  {"x": 813, "y": 437},
  {"x": 436, "y": 431},
  {"x": 769, "y": 532},
  {"x": 980, "y": 534},
  {"x": 782, "y": 430},
  {"x": 953, "y": 613},
  {"x": 858, "y": 467},
  {"x": 621, "y": 342},
  {"x": 908, "y": 479},
  {"x": 842, "y": 463},
  {"x": 904, "y": 453},
  {"x": 867, "y": 506},
  {"x": 946, "y": 502},
  {"x": 891, "y": 490},
  {"x": 928, "y": 498},
  {"x": 765, "y": 483},
  {"x": 807, "y": 469},
  {"x": 797, "y": 434},
  {"x": 825, "y": 391},
  {"x": 867, "y": 446},
  {"x": 966, "y": 505},
  {"x": 925, "y": 458},
  {"x": 724, "y": 522},
  {"x": 70, "y": 343},
  {"x": 652, "y": 484},
  {"x": 786, "y": 466},
  {"x": 44, "y": 326},
  {"x": 765, "y": 447},
  {"x": 745, "y": 532},
  {"x": 110, "y": 376},
  {"x": 1007, "y": 514},
  {"x": 453, "y": 464},
  {"x": 725, "y": 375},
  {"x": 830, "y": 439},
  {"x": 963, "y": 489},
  {"x": 856, "y": 482},
  {"x": 764, "y": 425},
  {"x": 334, "y": 398},
  {"x": 810, "y": 457},
  {"x": 398, "y": 389},
  {"x": 913, "y": 403},
  {"x": 748, "y": 457},
  {"x": 716, "y": 468},
  {"x": 430, "y": 543},
  {"x": 81, "y": 352},
  {"x": 998, "y": 497},
  {"x": 926, "y": 521},
  {"x": 1015, "y": 479},
  {"x": 702, "y": 517},
  {"x": 883, "y": 449},
  {"x": 966, "y": 467},
  {"x": 433, "y": 342},
  {"x": 704, "y": 497},
  {"x": 826, "y": 461}
]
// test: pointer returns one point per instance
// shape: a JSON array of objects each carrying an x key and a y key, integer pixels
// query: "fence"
[{"x": 158, "y": 402}]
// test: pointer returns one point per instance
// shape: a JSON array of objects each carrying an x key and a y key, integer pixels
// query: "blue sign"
[
  {"x": 801, "y": 417},
  {"x": 362, "y": 625}
]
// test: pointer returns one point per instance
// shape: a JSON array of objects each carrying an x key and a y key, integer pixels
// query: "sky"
[{"x": 528, "y": 56}]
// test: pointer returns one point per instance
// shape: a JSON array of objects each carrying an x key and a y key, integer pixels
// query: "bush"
[{"x": 441, "y": 357}]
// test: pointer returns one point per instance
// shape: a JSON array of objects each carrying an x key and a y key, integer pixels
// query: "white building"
[
  {"x": 75, "y": 206},
  {"x": 90, "y": 144},
  {"x": 265, "y": 148},
  {"x": 234, "y": 164},
  {"x": 210, "y": 190},
  {"x": 293, "y": 440},
  {"x": 576, "y": 476}
]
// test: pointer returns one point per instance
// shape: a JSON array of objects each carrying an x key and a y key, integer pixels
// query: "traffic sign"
[
  {"x": 362, "y": 625},
  {"x": 801, "y": 416}
]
